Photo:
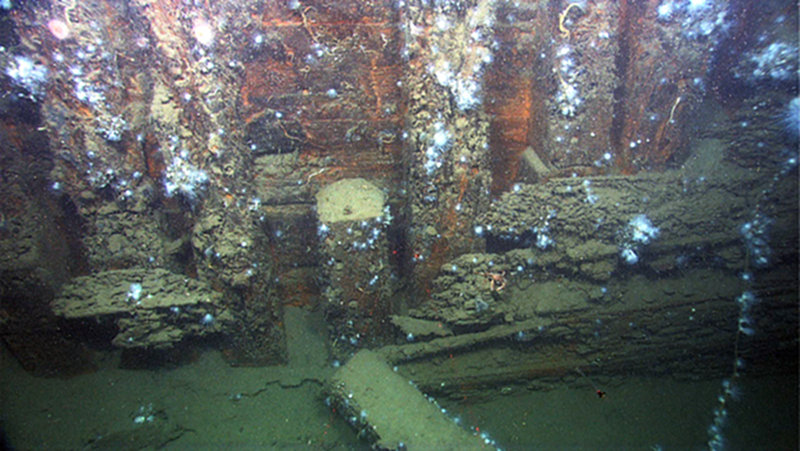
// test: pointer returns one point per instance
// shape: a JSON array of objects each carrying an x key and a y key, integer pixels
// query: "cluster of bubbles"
[
  {"x": 460, "y": 72},
  {"x": 639, "y": 232},
  {"x": 730, "y": 390},
  {"x": 145, "y": 414},
  {"x": 568, "y": 98},
  {"x": 439, "y": 142},
  {"x": 183, "y": 178},
  {"x": 591, "y": 197},
  {"x": 27, "y": 74},
  {"x": 365, "y": 234},
  {"x": 111, "y": 128},
  {"x": 756, "y": 236},
  {"x": 699, "y": 18}
]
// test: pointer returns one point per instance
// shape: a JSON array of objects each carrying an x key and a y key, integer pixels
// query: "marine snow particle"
[
  {"x": 203, "y": 32},
  {"x": 440, "y": 138},
  {"x": 629, "y": 255},
  {"x": 135, "y": 291},
  {"x": 59, "y": 29},
  {"x": 665, "y": 10}
]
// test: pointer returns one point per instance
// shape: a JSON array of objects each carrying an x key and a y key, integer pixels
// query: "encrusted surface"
[
  {"x": 391, "y": 412},
  {"x": 151, "y": 307}
]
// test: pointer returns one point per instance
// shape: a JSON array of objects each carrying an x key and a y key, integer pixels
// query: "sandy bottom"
[
  {"x": 209, "y": 405},
  {"x": 203, "y": 405},
  {"x": 639, "y": 413}
]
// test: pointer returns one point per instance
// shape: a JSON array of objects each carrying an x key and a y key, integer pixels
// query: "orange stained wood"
[
  {"x": 153, "y": 159},
  {"x": 510, "y": 131},
  {"x": 14, "y": 134},
  {"x": 266, "y": 79},
  {"x": 299, "y": 294},
  {"x": 375, "y": 78},
  {"x": 311, "y": 21}
]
